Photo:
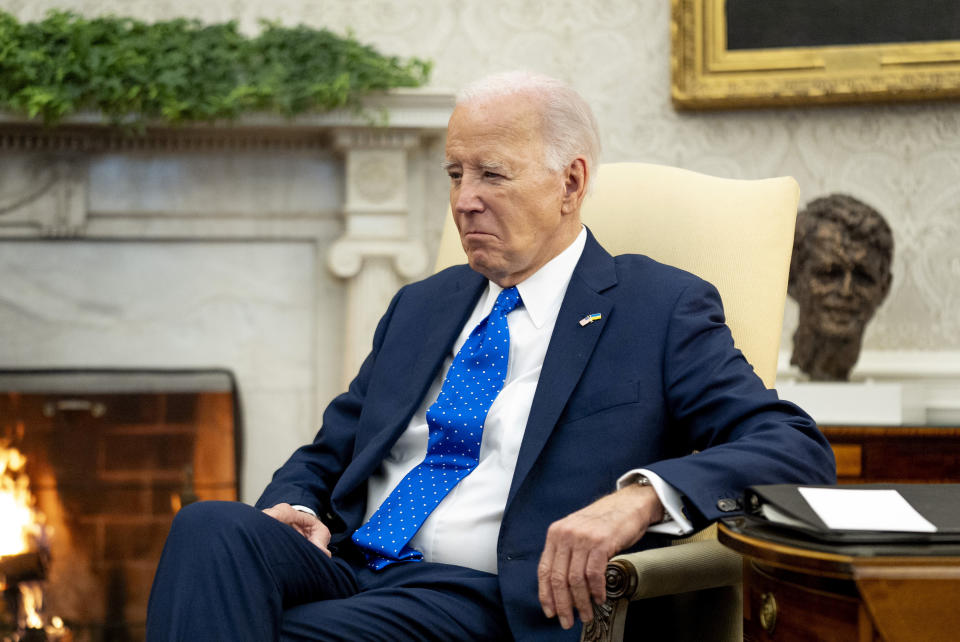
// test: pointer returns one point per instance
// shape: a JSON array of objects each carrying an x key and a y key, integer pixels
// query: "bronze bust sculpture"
[{"x": 839, "y": 275}]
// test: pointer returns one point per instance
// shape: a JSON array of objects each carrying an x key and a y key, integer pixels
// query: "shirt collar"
[{"x": 542, "y": 292}]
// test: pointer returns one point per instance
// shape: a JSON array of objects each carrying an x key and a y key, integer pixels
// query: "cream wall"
[{"x": 903, "y": 159}]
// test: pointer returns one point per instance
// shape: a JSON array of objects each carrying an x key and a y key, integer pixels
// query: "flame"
[
  {"x": 19, "y": 522},
  {"x": 31, "y": 603},
  {"x": 22, "y": 528}
]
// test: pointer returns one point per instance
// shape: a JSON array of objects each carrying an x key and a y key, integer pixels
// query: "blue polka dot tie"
[{"x": 455, "y": 422}]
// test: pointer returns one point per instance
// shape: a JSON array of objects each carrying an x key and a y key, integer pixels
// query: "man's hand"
[
  {"x": 574, "y": 560},
  {"x": 304, "y": 523}
]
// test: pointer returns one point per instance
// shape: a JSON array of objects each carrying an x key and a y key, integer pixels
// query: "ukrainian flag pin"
[{"x": 590, "y": 318}]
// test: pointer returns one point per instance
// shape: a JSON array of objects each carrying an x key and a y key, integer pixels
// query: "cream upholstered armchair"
[{"x": 737, "y": 234}]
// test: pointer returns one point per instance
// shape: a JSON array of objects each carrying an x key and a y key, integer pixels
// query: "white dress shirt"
[{"x": 465, "y": 526}]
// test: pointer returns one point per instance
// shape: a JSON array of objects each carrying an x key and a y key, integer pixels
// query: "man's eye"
[
  {"x": 454, "y": 176},
  {"x": 828, "y": 273},
  {"x": 492, "y": 175},
  {"x": 862, "y": 276}
]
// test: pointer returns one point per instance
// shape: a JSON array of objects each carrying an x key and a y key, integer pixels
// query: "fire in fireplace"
[
  {"x": 93, "y": 466},
  {"x": 24, "y": 556},
  {"x": 19, "y": 522}
]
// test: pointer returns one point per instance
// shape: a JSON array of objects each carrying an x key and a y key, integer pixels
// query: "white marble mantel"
[{"x": 267, "y": 246}]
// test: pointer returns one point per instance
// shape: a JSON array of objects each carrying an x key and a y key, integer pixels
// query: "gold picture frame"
[{"x": 706, "y": 75}]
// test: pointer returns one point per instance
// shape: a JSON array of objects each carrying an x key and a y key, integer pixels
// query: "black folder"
[{"x": 938, "y": 503}]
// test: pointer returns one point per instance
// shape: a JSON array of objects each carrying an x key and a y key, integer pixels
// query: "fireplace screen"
[{"x": 93, "y": 466}]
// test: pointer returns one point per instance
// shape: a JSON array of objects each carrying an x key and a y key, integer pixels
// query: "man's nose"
[
  {"x": 468, "y": 197},
  {"x": 847, "y": 287}
]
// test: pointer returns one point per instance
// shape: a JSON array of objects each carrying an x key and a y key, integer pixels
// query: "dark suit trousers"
[{"x": 230, "y": 572}]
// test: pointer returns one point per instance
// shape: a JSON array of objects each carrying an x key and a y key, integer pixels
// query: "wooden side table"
[
  {"x": 911, "y": 454},
  {"x": 794, "y": 590}
]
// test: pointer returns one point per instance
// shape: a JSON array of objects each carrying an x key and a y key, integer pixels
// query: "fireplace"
[
  {"x": 111, "y": 455},
  {"x": 266, "y": 246}
]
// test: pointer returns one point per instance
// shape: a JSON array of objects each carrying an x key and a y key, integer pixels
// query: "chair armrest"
[
  {"x": 670, "y": 570},
  {"x": 673, "y": 569}
]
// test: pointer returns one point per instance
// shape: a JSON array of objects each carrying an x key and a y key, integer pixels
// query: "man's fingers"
[
  {"x": 304, "y": 523},
  {"x": 577, "y": 581},
  {"x": 278, "y": 512},
  {"x": 287, "y": 514},
  {"x": 597, "y": 575},
  {"x": 543, "y": 580},
  {"x": 320, "y": 543},
  {"x": 319, "y": 536},
  {"x": 573, "y": 565},
  {"x": 560, "y": 587},
  {"x": 315, "y": 532}
]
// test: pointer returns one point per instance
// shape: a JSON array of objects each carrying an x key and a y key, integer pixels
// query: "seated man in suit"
[{"x": 518, "y": 421}]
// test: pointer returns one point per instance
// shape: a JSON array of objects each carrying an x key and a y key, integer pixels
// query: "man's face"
[
  {"x": 513, "y": 214},
  {"x": 843, "y": 282}
]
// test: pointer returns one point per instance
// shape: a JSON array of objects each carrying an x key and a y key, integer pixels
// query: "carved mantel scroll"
[
  {"x": 44, "y": 194},
  {"x": 376, "y": 252}
]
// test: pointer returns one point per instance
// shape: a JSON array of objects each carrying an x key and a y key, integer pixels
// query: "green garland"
[{"x": 181, "y": 70}]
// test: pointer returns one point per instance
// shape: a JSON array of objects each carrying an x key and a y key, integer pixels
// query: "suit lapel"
[
  {"x": 449, "y": 313},
  {"x": 571, "y": 347},
  {"x": 445, "y": 315}
]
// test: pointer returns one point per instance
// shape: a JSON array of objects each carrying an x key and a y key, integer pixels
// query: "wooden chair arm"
[
  {"x": 674, "y": 569},
  {"x": 661, "y": 571}
]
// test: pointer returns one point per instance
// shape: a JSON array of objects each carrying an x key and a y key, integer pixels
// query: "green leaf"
[{"x": 182, "y": 70}]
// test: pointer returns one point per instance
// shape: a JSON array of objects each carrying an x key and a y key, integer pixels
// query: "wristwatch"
[{"x": 643, "y": 480}]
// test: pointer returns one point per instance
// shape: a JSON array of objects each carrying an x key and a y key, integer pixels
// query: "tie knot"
[{"x": 507, "y": 300}]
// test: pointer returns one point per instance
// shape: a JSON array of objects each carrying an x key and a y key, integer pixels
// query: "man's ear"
[
  {"x": 886, "y": 286},
  {"x": 575, "y": 178}
]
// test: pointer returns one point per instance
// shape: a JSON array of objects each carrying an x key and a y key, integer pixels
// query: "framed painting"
[{"x": 750, "y": 53}]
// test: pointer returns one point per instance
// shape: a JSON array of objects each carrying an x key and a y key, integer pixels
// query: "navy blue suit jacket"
[{"x": 655, "y": 379}]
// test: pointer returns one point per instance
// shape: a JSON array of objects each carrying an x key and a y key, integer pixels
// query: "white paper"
[
  {"x": 865, "y": 510},
  {"x": 779, "y": 517}
]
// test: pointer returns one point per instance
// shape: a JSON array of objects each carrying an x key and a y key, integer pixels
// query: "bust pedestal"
[{"x": 867, "y": 403}]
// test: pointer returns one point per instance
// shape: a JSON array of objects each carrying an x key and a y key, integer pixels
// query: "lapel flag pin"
[{"x": 590, "y": 318}]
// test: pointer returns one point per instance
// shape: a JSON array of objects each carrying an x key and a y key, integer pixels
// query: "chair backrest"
[{"x": 737, "y": 234}]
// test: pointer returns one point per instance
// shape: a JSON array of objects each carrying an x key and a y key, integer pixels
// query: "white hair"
[{"x": 569, "y": 128}]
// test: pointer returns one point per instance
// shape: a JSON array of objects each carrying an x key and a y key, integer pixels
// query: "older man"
[{"x": 466, "y": 485}]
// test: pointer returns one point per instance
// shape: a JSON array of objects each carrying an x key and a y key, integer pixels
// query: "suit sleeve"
[
  {"x": 308, "y": 477},
  {"x": 739, "y": 431}
]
